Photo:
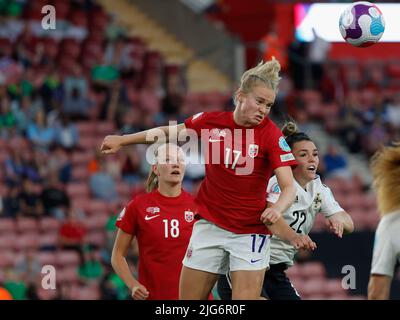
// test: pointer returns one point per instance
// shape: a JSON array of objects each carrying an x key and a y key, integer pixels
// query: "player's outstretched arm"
[
  {"x": 340, "y": 223},
  {"x": 112, "y": 143},
  {"x": 282, "y": 230},
  {"x": 121, "y": 267}
]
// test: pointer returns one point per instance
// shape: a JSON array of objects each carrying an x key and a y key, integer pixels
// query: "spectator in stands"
[
  {"x": 21, "y": 164},
  {"x": 78, "y": 107},
  {"x": 7, "y": 118},
  {"x": 41, "y": 136},
  {"x": 130, "y": 166},
  {"x": 318, "y": 53},
  {"x": 112, "y": 287},
  {"x": 72, "y": 233},
  {"x": 66, "y": 133},
  {"x": 376, "y": 136},
  {"x": 335, "y": 164},
  {"x": 30, "y": 201},
  {"x": 28, "y": 269},
  {"x": 350, "y": 125},
  {"x": 54, "y": 198},
  {"x": 173, "y": 99},
  {"x": 51, "y": 90},
  {"x": 15, "y": 285},
  {"x": 386, "y": 252},
  {"x": 90, "y": 268},
  {"x": 77, "y": 81},
  {"x": 10, "y": 203},
  {"x": 130, "y": 121},
  {"x": 59, "y": 161},
  {"x": 151, "y": 94},
  {"x": 102, "y": 184}
]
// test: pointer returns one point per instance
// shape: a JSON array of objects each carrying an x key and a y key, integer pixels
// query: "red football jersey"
[
  {"x": 239, "y": 163},
  {"x": 163, "y": 226}
]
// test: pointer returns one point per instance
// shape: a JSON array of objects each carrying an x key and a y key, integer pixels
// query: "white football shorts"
[{"x": 216, "y": 250}]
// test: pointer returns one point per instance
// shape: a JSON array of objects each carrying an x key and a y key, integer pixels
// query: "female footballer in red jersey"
[
  {"x": 246, "y": 148},
  {"x": 162, "y": 221}
]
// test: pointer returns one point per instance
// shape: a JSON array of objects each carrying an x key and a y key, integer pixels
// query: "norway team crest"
[
  {"x": 189, "y": 216},
  {"x": 253, "y": 150}
]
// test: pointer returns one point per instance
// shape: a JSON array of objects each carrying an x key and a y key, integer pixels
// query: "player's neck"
[
  {"x": 301, "y": 180},
  {"x": 238, "y": 120},
  {"x": 170, "y": 190}
]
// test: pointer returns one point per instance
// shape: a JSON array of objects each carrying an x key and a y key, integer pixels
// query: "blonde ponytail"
[
  {"x": 152, "y": 181},
  {"x": 266, "y": 73}
]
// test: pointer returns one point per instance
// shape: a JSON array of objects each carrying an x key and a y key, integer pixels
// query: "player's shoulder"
[
  {"x": 140, "y": 199},
  {"x": 390, "y": 222}
]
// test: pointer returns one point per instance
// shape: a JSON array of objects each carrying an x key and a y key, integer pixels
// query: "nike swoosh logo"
[
  {"x": 150, "y": 217},
  {"x": 215, "y": 140},
  {"x": 254, "y": 261}
]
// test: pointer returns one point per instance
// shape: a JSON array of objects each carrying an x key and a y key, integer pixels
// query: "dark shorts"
[{"x": 276, "y": 286}]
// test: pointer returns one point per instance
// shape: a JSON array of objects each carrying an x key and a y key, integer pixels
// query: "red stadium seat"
[
  {"x": 81, "y": 158},
  {"x": 8, "y": 241},
  {"x": 96, "y": 238},
  {"x": 79, "y": 189},
  {"x": 96, "y": 222},
  {"x": 80, "y": 173},
  {"x": 6, "y": 259},
  {"x": 47, "y": 258},
  {"x": 313, "y": 287},
  {"x": 313, "y": 270},
  {"x": 105, "y": 128},
  {"x": 27, "y": 241},
  {"x": 50, "y": 239},
  {"x": 46, "y": 294},
  {"x": 7, "y": 225},
  {"x": 67, "y": 258},
  {"x": 27, "y": 224},
  {"x": 333, "y": 287},
  {"x": 293, "y": 271},
  {"x": 67, "y": 274},
  {"x": 86, "y": 128},
  {"x": 48, "y": 224}
]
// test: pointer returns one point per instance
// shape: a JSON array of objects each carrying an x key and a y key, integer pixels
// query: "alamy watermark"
[
  {"x": 49, "y": 20},
  {"x": 349, "y": 280}
]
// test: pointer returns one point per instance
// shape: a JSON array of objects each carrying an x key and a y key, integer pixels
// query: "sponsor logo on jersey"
[
  {"x": 147, "y": 218},
  {"x": 216, "y": 134},
  {"x": 121, "y": 214},
  {"x": 255, "y": 260},
  {"x": 253, "y": 150},
  {"x": 317, "y": 202},
  {"x": 189, "y": 216},
  {"x": 275, "y": 188},
  {"x": 283, "y": 144},
  {"x": 153, "y": 210},
  {"x": 286, "y": 157}
]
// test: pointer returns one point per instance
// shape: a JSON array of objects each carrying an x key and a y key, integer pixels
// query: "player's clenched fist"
[
  {"x": 111, "y": 144},
  {"x": 140, "y": 292},
  {"x": 303, "y": 242},
  {"x": 270, "y": 216}
]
